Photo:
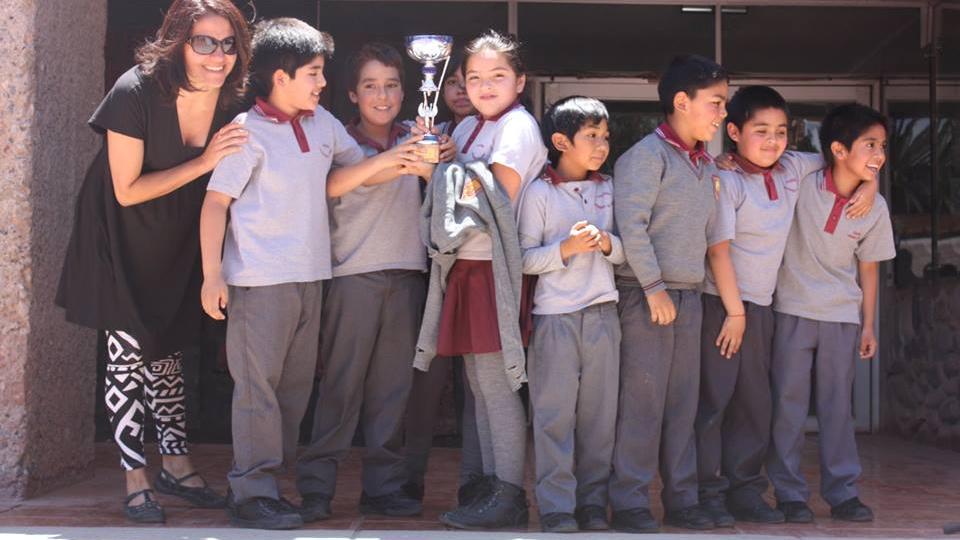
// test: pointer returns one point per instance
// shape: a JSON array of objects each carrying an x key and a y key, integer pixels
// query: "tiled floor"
[{"x": 913, "y": 489}]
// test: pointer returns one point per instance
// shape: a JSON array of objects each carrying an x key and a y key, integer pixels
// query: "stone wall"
[
  {"x": 921, "y": 372},
  {"x": 51, "y": 78}
]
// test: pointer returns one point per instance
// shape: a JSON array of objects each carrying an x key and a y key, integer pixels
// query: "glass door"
[{"x": 635, "y": 112}]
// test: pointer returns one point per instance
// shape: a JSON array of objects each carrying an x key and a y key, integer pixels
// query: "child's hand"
[
  {"x": 213, "y": 297},
  {"x": 725, "y": 162},
  {"x": 401, "y": 155},
  {"x": 868, "y": 343},
  {"x": 862, "y": 200},
  {"x": 606, "y": 246},
  {"x": 731, "y": 335},
  {"x": 582, "y": 239},
  {"x": 448, "y": 150},
  {"x": 662, "y": 310},
  {"x": 422, "y": 169}
]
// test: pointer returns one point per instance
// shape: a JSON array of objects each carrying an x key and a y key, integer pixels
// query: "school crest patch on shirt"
[{"x": 470, "y": 189}]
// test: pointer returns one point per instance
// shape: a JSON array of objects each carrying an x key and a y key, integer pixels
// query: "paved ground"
[{"x": 913, "y": 489}]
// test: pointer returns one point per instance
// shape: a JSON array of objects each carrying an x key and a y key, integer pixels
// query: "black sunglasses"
[{"x": 207, "y": 45}]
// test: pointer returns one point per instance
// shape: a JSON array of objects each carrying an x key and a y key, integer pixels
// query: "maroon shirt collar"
[
  {"x": 481, "y": 121},
  {"x": 268, "y": 111},
  {"x": 554, "y": 177},
  {"x": 696, "y": 154},
  {"x": 839, "y": 202},
  {"x": 749, "y": 167},
  {"x": 396, "y": 131}
]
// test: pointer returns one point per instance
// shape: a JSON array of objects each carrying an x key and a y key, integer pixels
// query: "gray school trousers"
[
  {"x": 573, "y": 366},
  {"x": 830, "y": 350},
  {"x": 659, "y": 381},
  {"x": 733, "y": 418},
  {"x": 422, "y": 409},
  {"x": 368, "y": 336},
  {"x": 501, "y": 419},
  {"x": 272, "y": 355}
]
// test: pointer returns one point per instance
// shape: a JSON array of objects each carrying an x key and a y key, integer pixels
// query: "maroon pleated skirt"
[{"x": 468, "y": 318}]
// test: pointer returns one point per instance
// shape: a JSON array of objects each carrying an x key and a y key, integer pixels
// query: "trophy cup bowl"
[{"x": 429, "y": 49}]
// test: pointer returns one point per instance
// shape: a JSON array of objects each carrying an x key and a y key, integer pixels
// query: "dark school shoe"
[
  {"x": 314, "y": 507},
  {"x": 634, "y": 520},
  {"x": 692, "y": 517},
  {"x": 476, "y": 488},
  {"x": 592, "y": 518},
  {"x": 394, "y": 504},
  {"x": 199, "y": 496},
  {"x": 149, "y": 511},
  {"x": 414, "y": 490},
  {"x": 505, "y": 506},
  {"x": 558, "y": 522},
  {"x": 761, "y": 512},
  {"x": 264, "y": 513},
  {"x": 716, "y": 508},
  {"x": 852, "y": 510},
  {"x": 796, "y": 512}
]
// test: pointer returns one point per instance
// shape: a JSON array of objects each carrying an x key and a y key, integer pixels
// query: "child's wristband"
[{"x": 737, "y": 315}]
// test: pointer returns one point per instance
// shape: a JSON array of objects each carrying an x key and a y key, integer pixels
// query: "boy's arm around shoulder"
[
  {"x": 538, "y": 258},
  {"x": 637, "y": 176}
]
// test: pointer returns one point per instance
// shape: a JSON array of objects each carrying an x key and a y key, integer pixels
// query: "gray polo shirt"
[
  {"x": 547, "y": 213},
  {"x": 375, "y": 228},
  {"x": 279, "y": 231},
  {"x": 818, "y": 279},
  {"x": 754, "y": 212},
  {"x": 665, "y": 195}
]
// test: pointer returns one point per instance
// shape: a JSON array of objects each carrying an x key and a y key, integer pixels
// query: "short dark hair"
[
  {"x": 381, "y": 52},
  {"x": 284, "y": 43},
  {"x": 847, "y": 123},
  {"x": 748, "y": 100},
  {"x": 688, "y": 73},
  {"x": 491, "y": 40},
  {"x": 568, "y": 116},
  {"x": 162, "y": 57}
]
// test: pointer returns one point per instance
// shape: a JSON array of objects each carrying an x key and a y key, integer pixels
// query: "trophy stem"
[{"x": 443, "y": 73}]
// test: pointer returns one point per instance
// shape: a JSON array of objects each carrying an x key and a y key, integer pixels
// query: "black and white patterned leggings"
[{"x": 130, "y": 385}]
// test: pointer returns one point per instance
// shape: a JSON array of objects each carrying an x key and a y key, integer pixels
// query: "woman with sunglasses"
[{"x": 132, "y": 268}]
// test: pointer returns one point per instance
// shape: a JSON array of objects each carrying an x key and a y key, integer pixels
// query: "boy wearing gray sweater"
[
  {"x": 573, "y": 362},
  {"x": 665, "y": 192}
]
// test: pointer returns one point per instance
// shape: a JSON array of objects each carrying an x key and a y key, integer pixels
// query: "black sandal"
[
  {"x": 201, "y": 497},
  {"x": 149, "y": 511}
]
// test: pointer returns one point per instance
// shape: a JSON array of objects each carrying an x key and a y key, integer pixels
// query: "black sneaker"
[
  {"x": 852, "y": 510},
  {"x": 314, "y": 507},
  {"x": 716, "y": 508},
  {"x": 264, "y": 513},
  {"x": 592, "y": 518},
  {"x": 414, "y": 490},
  {"x": 691, "y": 517},
  {"x": 504, "y": 506},
  {"x": 476, "y": 488},
  {"x": 634, "y": 520},
  {"x": 761, "y": 512},
  {"x": 558, "y": 522},
  {"x": 395, "y": 504},
  {"x": 796, "y": 512}
]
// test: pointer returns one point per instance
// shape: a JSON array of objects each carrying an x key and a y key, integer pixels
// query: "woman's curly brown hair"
[{"x": 162, "y": 57}]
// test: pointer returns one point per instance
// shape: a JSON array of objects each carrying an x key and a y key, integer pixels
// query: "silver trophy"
[{"x": 429, "y": 49}]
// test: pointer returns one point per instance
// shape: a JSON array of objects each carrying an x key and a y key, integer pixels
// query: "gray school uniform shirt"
[
  {"x": 374, "y": 228},
  {"x": 818, "y": 279},
  {"x": 279, "y": 231},
  {"x": 664, "y": 200},
  {"x": 548, "y": 212},
  {"x": 756, "y": 219}
]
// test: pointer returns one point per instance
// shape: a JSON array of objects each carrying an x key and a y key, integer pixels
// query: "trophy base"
[{"x": 429, "y": 149}]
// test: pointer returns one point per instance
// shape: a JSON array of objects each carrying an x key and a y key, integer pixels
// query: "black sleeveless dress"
[{"x": 137, "y": 268}]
